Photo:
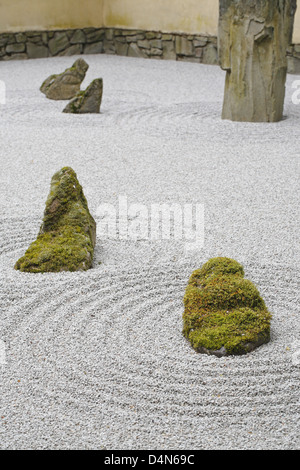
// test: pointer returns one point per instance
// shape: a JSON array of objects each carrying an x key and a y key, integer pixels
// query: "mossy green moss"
[
  {"x": 68, "y": 233},
  {"x": 223, "y": 311},
  {"x": 67, "y": 249}
]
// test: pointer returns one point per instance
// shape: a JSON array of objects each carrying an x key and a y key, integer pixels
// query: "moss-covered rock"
[
  {"x": 224, "y": 313},
  {"x": 64, "y": 86},
  {"x": 67, "y": 235},
  {"x": 87, "y": 101}
]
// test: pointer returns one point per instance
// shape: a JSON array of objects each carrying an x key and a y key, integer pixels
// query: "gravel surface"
[{"x": 97, "y": 360}]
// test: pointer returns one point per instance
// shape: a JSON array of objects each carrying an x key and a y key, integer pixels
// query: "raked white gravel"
[{"x": 97, "y": 360}]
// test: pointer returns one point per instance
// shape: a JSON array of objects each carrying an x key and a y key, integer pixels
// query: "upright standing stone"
[
  {"x": 65, "y": 85},
  {"x": 253, "y": 39},
  {"x": 87, "y": 101},
  {"x": 67, "y": 235}
]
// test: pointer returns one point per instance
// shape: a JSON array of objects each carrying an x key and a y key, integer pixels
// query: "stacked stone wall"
[{"x": 131, "y": 43}]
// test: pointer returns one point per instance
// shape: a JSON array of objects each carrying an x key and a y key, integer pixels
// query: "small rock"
[
  {"x": 200, "y": 42},
  {"x": 65, "y": 85},
  {"x": 78, "y": 37},
  {"x": 18, "y": 47},
  {"x": 144, "y": 44},
  {"x": 135, "y": 51},
  {"x": 58, "y": 43},
  {"x": 87, "y": 101},
  {"x": 184, "y": 46},
  {"x": 121, "y": 48},
  {"x": 94, "y": 48},
  {"x": 96, "y": 35},
  {"x": 156, "y": 43},
  {"x": 153, "y": 35},
  {"x": 169, "y": 50},
  {"x": 210, "y": 55},
  {"x": 35, "y": 51},
  {"x": 75, "y": 49}
]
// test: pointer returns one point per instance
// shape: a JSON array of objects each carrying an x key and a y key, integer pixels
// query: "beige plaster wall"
[
  {"x": 188, "y": 16},
  {"x": 297, "y": 25},
  {"x": 26, "y": 15}
]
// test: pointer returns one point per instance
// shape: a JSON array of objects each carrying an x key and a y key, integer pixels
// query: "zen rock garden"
[
  {"x": 66, "y": 86},
  {"x": 148, "y": 237},
  {"x": 224, "y": 314}
]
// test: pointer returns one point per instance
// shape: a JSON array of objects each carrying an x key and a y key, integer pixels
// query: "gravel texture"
[{"x": 97, "y": 359}]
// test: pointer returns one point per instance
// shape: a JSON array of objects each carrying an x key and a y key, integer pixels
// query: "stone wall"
[
  {"x": 131, "y": 43},
  {"x": 37, "y": 44}
]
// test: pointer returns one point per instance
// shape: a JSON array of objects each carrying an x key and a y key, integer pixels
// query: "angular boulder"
[
  {"x": 87, "y": 101},
  {"x": 64, "y": 86},
  {"x": 253, "y": 39},
  {"x": 224, "y": 313},
  {"x": 67, "y": 236}
]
